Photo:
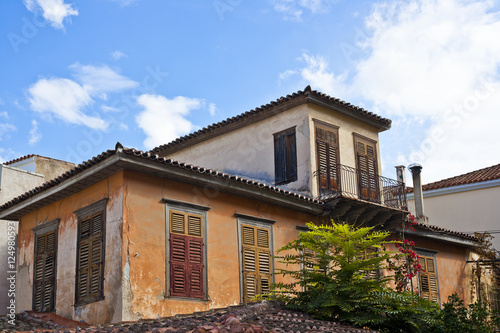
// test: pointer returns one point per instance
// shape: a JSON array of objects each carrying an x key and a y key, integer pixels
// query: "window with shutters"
[
  {"x": 256, "y": 263},
  {"x": 327, "y": 156},
  {"x": 285, "y": 156},
  {"x": 366, "y": 165},
  {"x": 370, "y": 253},
  {"x": 90, "y": 253},
  {"x": 45, "y": 264},
  {"x": 186, "y": 250},
  {"x": 428, "y": 281}
]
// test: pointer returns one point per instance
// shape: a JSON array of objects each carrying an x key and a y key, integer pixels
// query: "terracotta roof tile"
[
  {"x": 155, "y": 158},
  {"x": 301, "y": 93},
  {"x": 446, "y": 231},
  {"x": 19, "y": 159},
  {"x": 477, "y": 176}
]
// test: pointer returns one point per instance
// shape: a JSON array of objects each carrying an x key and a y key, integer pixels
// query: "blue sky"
[{"x": 78, "y": 76}]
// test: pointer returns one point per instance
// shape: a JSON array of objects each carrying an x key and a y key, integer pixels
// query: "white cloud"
[
  {"x": 5, "y": 129},
  {"x": 292, "y": 10},
  {"x": 163, "y": 119},
  {"x": 212, "y": 108},
  {"x": 35, "y": 134},
  {"x": 435, "y": 61},
  {"x": 54, "y": 11},
  {"x": 124, "y": 2},
  {"x": 102, "y": 79},
  {"x": 107, "y": 108},
  {"x": 4, "y": 114},
  {"x": 64, "y": 99},
  {"x": 117, "y": 55}
]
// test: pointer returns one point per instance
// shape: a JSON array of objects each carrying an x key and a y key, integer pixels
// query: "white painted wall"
[
  {"x": 249, "y": 151},
  {"x": 471, "y": 210}
]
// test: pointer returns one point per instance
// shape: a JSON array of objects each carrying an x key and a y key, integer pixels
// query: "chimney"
[{"x": 415, "y": 169}]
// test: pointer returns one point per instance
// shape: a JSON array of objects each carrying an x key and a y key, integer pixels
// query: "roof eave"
[
  {"x": 442, "y": 237},
  {"x": 123, "y": 161}
]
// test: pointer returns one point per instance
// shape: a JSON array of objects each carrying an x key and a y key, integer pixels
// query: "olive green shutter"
[
  {"x": 90, "y": 265},
  {"x": 45, "y": 270},
  {"x": 256, "y": 255}
]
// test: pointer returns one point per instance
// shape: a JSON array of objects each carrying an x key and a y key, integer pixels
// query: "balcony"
[{"x": 342, "y": 181}]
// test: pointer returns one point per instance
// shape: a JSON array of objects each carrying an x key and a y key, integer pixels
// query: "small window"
[
  {"x": 327, "y": 156},
  {"x": 369, "y": 253},
  {"x": 366, "y": 165},
  {"x": 428, "y": 281},
  {"x": 90, "y": 254},
  {"x": 256, "y": 258},
  {"x": 186, "y": 250},
  {"x": 285, "y": 157}
]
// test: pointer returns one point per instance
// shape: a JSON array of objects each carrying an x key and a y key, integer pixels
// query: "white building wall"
[
  {"x": 13, "y": 182},
  {"x": 249, "y": 151},
  {"x": 465, "y": 211}
]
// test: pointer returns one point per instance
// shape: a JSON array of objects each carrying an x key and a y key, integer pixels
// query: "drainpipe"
[{"x": 416, "y": 169}]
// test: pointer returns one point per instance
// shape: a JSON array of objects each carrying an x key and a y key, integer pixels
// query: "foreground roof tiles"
[
  {"x": 301, "y": 93},
  {"x": 481, "y": 175},
  {"x": 260, "y": 317}
]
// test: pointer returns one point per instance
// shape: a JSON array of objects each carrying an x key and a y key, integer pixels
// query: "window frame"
[
  {"x": 98, "y": 207},
  {"x": 426, "y": 253},
  {"x": 281, "y": 164},
  {"x": 40, "y": 230},
  {"x": 187, "y": 208},
  {"x": 373, "y": 193},
  {"x": 258, "y": 222}
]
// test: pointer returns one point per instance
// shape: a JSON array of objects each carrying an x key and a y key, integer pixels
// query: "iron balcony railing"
[{"x": 344, "y": 181}]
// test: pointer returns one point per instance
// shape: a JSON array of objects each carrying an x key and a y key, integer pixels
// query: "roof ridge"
[
  {"x": 306, "y": 92},
  {"x": 18, "y": 159}
]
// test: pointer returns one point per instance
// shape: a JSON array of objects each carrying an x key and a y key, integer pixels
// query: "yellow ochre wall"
[{"x": 144, "y": 243}]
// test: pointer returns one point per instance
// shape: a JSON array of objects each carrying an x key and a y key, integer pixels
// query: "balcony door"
[
  {"x": 327, "y": 157},
  {"x": 366, "y": 165}
]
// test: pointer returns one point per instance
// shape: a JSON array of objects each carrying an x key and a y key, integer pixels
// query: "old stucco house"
[
  {"x": 16, "y": 177},
  {"x": 131, "y": 234}
]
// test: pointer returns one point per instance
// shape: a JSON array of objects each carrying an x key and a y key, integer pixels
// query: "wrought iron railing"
[{"x": 345, "y": 181}]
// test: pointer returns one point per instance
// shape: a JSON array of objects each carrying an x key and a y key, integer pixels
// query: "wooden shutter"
[
  {"x": 256, "y": 255},
  {"x": 428, "y": 279},
  {"x": 90, "y": 265},
  {"x": 285, "y": 156},
  {"x": 370, "y": 253},
  {"x": 186, "y": 255},
  {"x": 45, "y": 272},
  {"x": 326, "y": 149},
  {"x": 367, "y": 171}
]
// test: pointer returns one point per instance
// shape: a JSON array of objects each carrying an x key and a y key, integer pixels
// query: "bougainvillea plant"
[{"x": 405, "y": 264}]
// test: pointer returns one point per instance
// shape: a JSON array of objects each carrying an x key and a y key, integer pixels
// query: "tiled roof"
[
  {"x": 477, "y": 176},
  {"x": 446, "y": 231},
  {"x": 301, "y": 93},
  {"x": 154, "y": 158},
  {"x": 19, "y": 159}
]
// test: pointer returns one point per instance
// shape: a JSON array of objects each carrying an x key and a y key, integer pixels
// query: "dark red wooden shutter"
[{"x": 186, "y": 266}]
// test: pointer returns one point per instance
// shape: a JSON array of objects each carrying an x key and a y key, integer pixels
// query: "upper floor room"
[{"x": 307, "y": 142}]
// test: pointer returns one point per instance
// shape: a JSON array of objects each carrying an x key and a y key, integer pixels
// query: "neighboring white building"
[
  {"x": 17, "y": 177},
  {"x": 467, "y": 203}
]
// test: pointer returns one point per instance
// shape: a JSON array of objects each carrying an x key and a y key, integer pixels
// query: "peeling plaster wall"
[
  {"x": 107, "y": 310},
  {"x": 51, "y": 168},
  {"x": 144, "y": 244},
  {"x": 249, "y": 151}
]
